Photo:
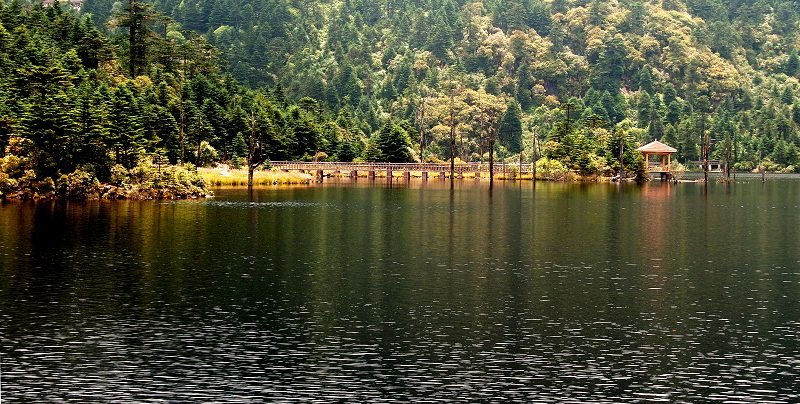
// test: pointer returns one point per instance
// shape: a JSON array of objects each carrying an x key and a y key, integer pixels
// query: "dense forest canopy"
[{"x": 575, "y": 81}]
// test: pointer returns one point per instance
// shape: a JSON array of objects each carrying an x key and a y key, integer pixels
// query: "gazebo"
[{"x": 657, "y": 148}]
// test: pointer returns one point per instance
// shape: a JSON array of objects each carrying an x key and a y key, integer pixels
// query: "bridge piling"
[
  {"x": 371, "y": 174},
  {"x": 354, "y": 174},
  {"x": 477, "y": 175},
  {"x": 441, "y": 175},
  {"x": 407, "y": 176},
  {"x": 425, "y": 176}
]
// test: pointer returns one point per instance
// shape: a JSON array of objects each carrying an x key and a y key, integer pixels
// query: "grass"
[{"x": 220, "y": 177}]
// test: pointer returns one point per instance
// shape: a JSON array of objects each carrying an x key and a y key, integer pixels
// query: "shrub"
[
  {"x": 552, "y": 170},
  {"x": 78, "y": 185},
  {"x": 13, "y": 166},
  {"x": 8, "y": 185},
  {"x": 745, "y": 166},
  {"x": 146, "y": 181},
  {"x": 119, "y": 175},
  {"x": 321, "y": 156}
]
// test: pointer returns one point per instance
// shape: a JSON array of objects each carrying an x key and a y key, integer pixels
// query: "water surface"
[{"x": 562, "y": 292}]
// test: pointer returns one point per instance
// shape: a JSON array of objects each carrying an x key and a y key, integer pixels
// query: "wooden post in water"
[
  {"x": 320, "y": 175},
  {"x": 425, "y": 176},
  {"x": 407, "y": 176},
  {"x": 354, "y": 174},
  {"x": 371, "y": 174},
  {"x": 441, "y": 175}
]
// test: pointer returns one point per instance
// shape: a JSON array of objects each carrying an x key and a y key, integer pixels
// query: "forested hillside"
[
  {"x": 655, "y": 69},
  {"x": 569, "y": 80}
]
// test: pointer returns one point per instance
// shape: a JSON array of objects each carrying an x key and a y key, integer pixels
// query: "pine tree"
[
  {"x": 792, "y": 64},
  {"x": 440, "y": 39},
  {"x": 598, "y": 11},
  {"x": 670, "y": 94},
  {"x": 371, "y": 152},
  {"x": 93, "y": 126},
  {"x": 137, "y": 17},
  {"x": 656, "y": 127},
  {"x": 673, "y": 115},
  {"x": 796, "y": 113},
  {"x": 511, "y": 128},
  {"x": 645, "y": 110},
  {"x": 127, "y": 138},
  {"x": 607, "y": 73},
  {"x": 787, "y": 97},
  {"x": 393, "y": 144},
  {"x": 646, "y": 81},
  {"x": 48, "y": 117},
  {"x": 539, "y": 17}
]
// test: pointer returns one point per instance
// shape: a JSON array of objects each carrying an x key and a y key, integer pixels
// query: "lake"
[{"x": 370, "y": 292}]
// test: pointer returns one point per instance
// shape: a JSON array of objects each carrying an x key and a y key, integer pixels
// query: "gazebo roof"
[{"x": 656, "y": 147}]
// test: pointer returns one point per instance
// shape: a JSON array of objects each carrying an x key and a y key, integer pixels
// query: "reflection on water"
[{"x": 370, "y": 292}]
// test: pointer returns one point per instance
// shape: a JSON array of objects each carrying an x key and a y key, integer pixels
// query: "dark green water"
[{"x": 370, "y": 293}]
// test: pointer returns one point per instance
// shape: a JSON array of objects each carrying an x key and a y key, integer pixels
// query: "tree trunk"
[
  {"x": 420, "y": 118},
  {"x": 705, "y": 146},
  {"x": 622, "y": 157},
  {"x": 132, "y": 38},
  {"x": 491, "y": 158},
  {"x": 452, "y": 133}
]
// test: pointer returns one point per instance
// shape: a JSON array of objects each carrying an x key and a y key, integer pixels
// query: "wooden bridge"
[{"x": 371, "y": 170}]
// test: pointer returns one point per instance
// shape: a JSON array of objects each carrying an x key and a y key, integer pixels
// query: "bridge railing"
[{"x": 429, "y": 167}]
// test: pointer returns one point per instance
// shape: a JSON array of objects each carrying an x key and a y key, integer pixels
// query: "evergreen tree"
[
  {"x": 673, "y": 114},
  {"x": 646, "y": 81},
  {"x": 792, "y": 64},
  {"x": 787, "y": 97},
  {"x": 656, "y": 128},
  {"x": 440, "y": 39},
  {"x": 607, "y": 73},
  {"x": 126, "y": 137},
  {"x": 670, "y": 94},
  {"x": 393, "y": 144},
  {"x": 645, "y": 110},
  {"x": 511, "y": 128},
  {"x": 539, "y": 17},
  {"x": 137, "y": 17}
]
